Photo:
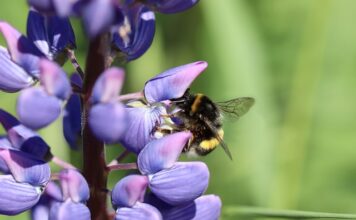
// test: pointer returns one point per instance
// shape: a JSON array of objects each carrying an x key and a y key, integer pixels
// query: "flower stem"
[
  {"x": 94, "y": 164},
  {"x": 61, "y": 163},
  {"x": 117, "y": 160},
  {"x": 131, "y": 96},
  {"x": 73, "y": 60},
  {"x": 123, "y": 166}
]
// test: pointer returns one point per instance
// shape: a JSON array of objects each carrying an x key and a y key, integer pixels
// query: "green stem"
[{"x": 229, "y": 212}]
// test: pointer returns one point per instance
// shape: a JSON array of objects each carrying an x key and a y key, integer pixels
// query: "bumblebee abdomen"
[{"x": 207, "y": 145}]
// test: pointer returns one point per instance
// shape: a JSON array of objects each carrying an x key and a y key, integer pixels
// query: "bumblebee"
[{"x": 203, "y": 118}]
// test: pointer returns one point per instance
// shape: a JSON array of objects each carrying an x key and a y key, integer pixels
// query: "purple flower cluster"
[
  {"x": 131, "y": 22},
  {"x": 162, "y": 187},
  {"x": 176, "y": 187}
]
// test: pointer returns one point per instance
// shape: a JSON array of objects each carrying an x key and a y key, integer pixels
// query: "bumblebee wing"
[
  {"x": 217, "y": 136},
  {"x": 236, "y": 108}
]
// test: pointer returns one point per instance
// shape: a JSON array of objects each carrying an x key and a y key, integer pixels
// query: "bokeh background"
[{"x": 296, "y": 148}]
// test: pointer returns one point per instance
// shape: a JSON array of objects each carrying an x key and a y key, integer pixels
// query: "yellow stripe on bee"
[
  {"x": 213, "y": 142},
  {"x": 209, "y": 144},
  {"x": 196, "y": 102}
]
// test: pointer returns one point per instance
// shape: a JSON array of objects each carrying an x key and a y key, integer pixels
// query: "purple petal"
[
  {"x": 12, "y": 77},
  {"x": 36, "y": 109},
  {"x": 171, "y": 6},
  {"x": 129, "y": 190},
  {"x": 54, "y": 79},
  {"x": 108, "y": 86},
  {"x": 64, "y": 7},
  {"x": 50, "y": 34},
  {"x": 24, "y": 139},
  {"x": 44, "y": 6},
  {"x": 135, "y": 34},
  {"x": 162, "y": 153},
  {"x": 37, "y": 147},
  {"x": 41, "y": 210},
  {"x": 99, "y": 15},
  {"x": 74, "y": 186},
  {"x": 25, "y": 168},
  {"x": 37, "y": 33},
  {"x": 76, "y": 79},
  {"x": 7, "y": 120},
  {"x": 51, "y": 196},
  {"x": 108, "y": 121},
  {"x": 60, "y": 34},
  {"x": 206, "y": 207},
  {"x": 19, "y": 134},
  {"x": 171, "y": 186},
  {"x": 72, "y": 124},
  {"x": 5, "y": 143},
  {"x": 16, "y": 197},
  {"x": 52, "y": 190},
  {"x": 142, "y": 121},
  {"x": 22, "y": 50},
  {"x": 69, "y": 210},
  {"x": 173, "y": 83},
  {"x": 140, "y": 211}
]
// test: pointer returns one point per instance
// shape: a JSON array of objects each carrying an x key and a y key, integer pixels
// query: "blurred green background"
[{"x": 296, "y": 148}]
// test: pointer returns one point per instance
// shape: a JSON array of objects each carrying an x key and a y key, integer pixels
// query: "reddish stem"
[
  {"x": 94, "y": 164},
  {"x": 123, "y": 166}
]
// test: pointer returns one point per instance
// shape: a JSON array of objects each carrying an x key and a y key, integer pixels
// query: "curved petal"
[
  {"x": 108, "y": 85},
  {"x": 22, "y": 50},
  {"x": 26, "y": 140},
  {"x": 41, "y": 210},
  {"x": 37, "y": 147},
  {"x": 74, "y": 186},
  {"x": 25, "y": 168},
  {"x": 36, "y": 31},
  {"x": 36, "y": 109},
  {"x": 141, "y": 124},
  {"x": 51, "y": 34},
  {"x": 140, "y": 211},
  {"x": 135, "y": 34},
  {"x": 172, "y": 6},
  {"x": 12, "y": 77},
  {"x": 64, "y": 7},
  {"x": 108, "y": 121},
  {"x": 206, "y": 207},
  {"x": 69, "y": 210},
  {"x": 16, "y": 197},
  {"x": 106, "y": 10},
  {"x": 7, "y": 120},
  {"x": 5, "y": 143},
  {"x": 53, "y": 191},
  {"x": 162, "y": 153},
  {"x": 173, "y": 83},
  {"x": 77, "y": 80},
  {"x": 72, "y": 124},
  {"x": 54, "y": 79},
  {"x": 60, "y": 33},
  {"x": 129, "y": 190},
  {"x": 171, "y": 186}
]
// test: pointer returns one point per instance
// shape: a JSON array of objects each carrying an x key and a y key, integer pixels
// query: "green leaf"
[{"x": 231, "y": 212}]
